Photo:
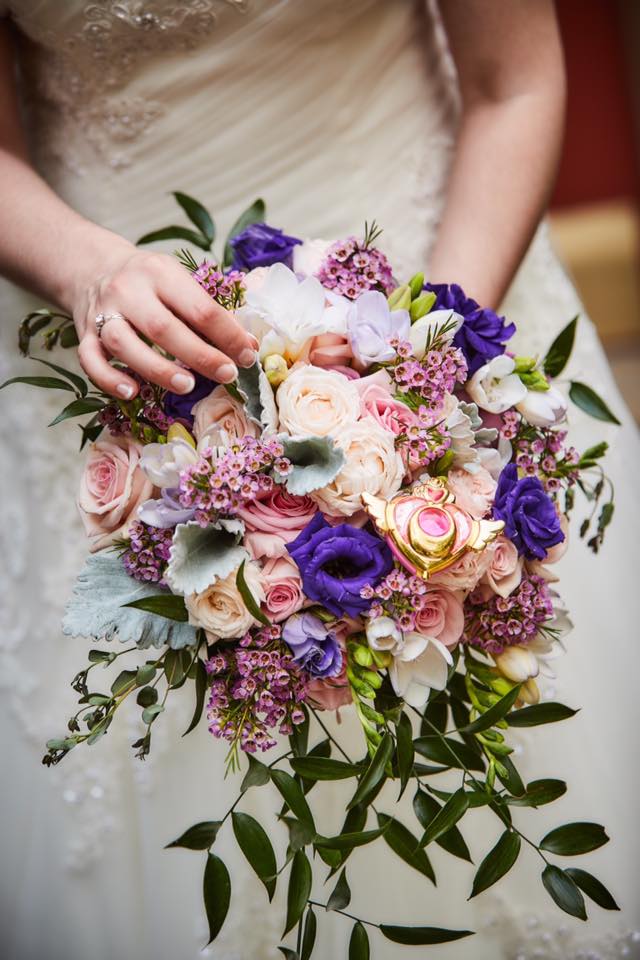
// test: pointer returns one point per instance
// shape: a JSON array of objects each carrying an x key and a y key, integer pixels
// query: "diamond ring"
[{"x": 103, "y": 318}]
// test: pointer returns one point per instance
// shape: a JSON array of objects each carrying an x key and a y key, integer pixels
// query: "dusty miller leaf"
[{"x": 202, "y": 555}]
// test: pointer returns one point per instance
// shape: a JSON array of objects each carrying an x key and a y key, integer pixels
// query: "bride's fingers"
[
  {"x": 96, "y": 366},
  {"x": 166, "y": 331},
  {"x": 124, "y": 344},
  {"x": 190, "y": 303}
]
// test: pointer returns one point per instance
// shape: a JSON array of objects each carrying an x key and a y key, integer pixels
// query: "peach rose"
[
  {"x": 316, "y": 402},
  {"x": 474, "y": 492},
  {"x": 441, "y": 617},
  {"x": 220, "y": 609},
  {"x": 111, "y": 489},
  {"x": 373, "y": 465},
  {"x": 465, "y": 573},
  {"x": 283, "y": 588},
  {"x": 505, "y": 570},
  {"x": 220, "y": 412},
  {"x": 330, "y": 350},
  {"x": 376, "y": 401},
  {"x": 274, "y": 521}
]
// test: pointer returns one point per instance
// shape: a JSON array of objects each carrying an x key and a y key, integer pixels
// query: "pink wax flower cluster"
[
  {"x": 432, "y": 378},
  {"x": 351, "y": 268},
  {"x": 498, "y": 622},
  {"x": 257, "y": 689},
  {"x": 147, "y": 552},
  {"x": 227, "y": 289},
  {"x": 541, "y": 452},
  {"x": 144, "y": 417}
]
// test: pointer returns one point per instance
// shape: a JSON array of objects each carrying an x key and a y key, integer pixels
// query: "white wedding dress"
[{"x": 334, "y": 112}]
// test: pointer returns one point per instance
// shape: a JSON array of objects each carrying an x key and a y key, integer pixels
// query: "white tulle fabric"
[{"x": 332, "y": 111}]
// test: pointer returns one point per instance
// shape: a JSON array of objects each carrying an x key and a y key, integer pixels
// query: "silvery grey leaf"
[
  {"x": 202, "y": 555},
  {"x": 316, "y": 462}
]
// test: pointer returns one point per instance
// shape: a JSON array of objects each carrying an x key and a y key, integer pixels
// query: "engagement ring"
[{"x": 103, "y": 318}]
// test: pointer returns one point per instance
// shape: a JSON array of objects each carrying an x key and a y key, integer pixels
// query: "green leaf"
[
  {"x": 589, "y": 401},
  {"x": 497, "y": 862},
  {"x": 78, "y": 382},
  {"x": 198, "y": 837},
  {"x": 256, "y": 846},
  {"x": 512, "y": 780},
  {"x": 175, "y": 232},
  {"x": 253, "y": 214},
  {"x": 406, "y": 846},
  {"x": 540, "y": 792},
  {"x": 247, "y": 596},
  {"x": 309, "y": 935},
  {"x": 201, "y": 690},
  {"x": 494, "y": 714},
  {"x": 560, "y": 350},
  {"x": 47, "y": 383},
  {"x": 257, "y": 775},
  {"x": 163, "y": 605},
  {"x": 539, "y": 713},
  {"x": 288, "y": 954},
  {"x": 449, "y": 752},
  {"x": 293, "y": 796},
  {"x": 124, "y": 680},
  {"x": 436, "y": 713},
  {"x": 564, "y": 891},
  {"x": 176, "y": 666},
  {"x": 145, "y": 674},
  {"x": 77, "y": 408},
  {"x": 593, "y": 888},
  {"x": 453, "y": 810},
  {"x": 100, "y": 656},
  {"x": 216, "y": 890},
  {"x": 299, "y": 736},
  {"x": 318, "y": 768},
  {"x": 198, "y": 215},
  {"x": 347, "y": 841},
  {"x": 341, "y": 894},
  {"x": 374, "y": 772},
  {"x": 359, "y": 943},
  {"x": 404, "y": 750},
  {"x": 426, "y": 808},
  {"x": 299, "y": 889},
  {"x": 202, "y": 555},
  {"x": 421, "y": 935},
  {"x": 573, "y": 839}
]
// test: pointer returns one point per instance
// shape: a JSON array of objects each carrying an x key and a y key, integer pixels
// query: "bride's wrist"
[{"x": 91, "y": 253}]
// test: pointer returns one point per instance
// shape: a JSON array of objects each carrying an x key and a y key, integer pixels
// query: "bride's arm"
[
  {"x": 85, "y": 269},
  {"x": 510, "y": 67}
]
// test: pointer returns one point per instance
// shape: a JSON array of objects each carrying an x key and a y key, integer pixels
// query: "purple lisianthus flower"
[
  {"x": 179, "y": 405},
  {"x": 261, "y": 245},
  {"x": 483, "y": 335},
  {"x": 314, "y": 646},
  {"x": 530, "y": 518},
  {"x": 335, "y": 563}
]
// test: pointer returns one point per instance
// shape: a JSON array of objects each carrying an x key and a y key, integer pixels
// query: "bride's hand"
[{"x": 150, "y": 295}]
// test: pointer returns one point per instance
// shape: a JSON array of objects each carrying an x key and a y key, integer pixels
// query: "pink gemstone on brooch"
[{"x": 434, "y": 521}]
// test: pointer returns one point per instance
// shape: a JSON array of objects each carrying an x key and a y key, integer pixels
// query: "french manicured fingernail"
[
  {"x": 247, "y": 358},
  {"x": 125, "y": 390},
  {"x": 226, "y": 373},
  {"x": 182, "y": 382},
  {"x": 254, "y": 342}
]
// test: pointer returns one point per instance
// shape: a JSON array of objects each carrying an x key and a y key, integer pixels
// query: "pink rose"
[
  {"x": 111, "y": 489},
  {"x": 282, "y": 587},
  {"x": 466, "y": 572},
  {"x": 330, "y": 350},
  {"x": 274, "y": 521},
  {"x": 220, "y": 412},
  {"x": 505, "y": 570},
  {"x": 377, "y": 401},
  {"x": 474, "y": 492},
  {"x": 441, "y": 617}
]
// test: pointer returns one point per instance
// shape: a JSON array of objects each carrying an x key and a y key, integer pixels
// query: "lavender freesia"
[{"x": 372, "y": 326}]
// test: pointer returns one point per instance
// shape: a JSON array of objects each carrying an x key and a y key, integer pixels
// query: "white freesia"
[
  {"x": 543, "y": 408},
  {"x": 518, "y": 664},
  {"x": 431, "y": 326},
  {"x": 309, "y": 256},
  {"x": 163, "y": 462},
  {"x": 284, "y": 312},
  {"x": 420, "y": 664},
  {"x": 372, "y": 326},
  {"x": 495, "y": 387},
  {"x": 495, "y": 460},
  {"x": 383, "y": 633}
]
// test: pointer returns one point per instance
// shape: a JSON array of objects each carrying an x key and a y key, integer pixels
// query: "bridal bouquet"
[{"x": 366, "y": 521}]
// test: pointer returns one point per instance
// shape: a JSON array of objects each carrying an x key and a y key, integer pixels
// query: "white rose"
[
  {"x": 495, "y": 387},
  {"x": 309, "y": 256},
  {"x": 163, "y": 462},
  {"x": 220, "y": 609},
  {"x": 373, "y": 465},
  {"x": 317, "y": 402},
  {"x": 543, "y": 408},
  {"x": 430, "y": 326}
]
